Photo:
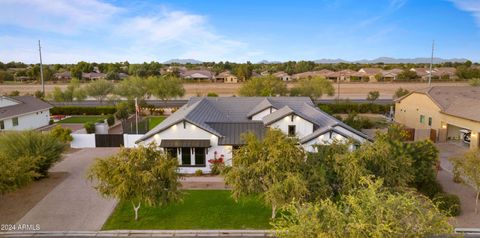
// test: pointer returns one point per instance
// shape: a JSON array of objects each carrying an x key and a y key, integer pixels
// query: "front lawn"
[
  {"x": 200, "y": 209},
  {"x": 82, "y": 119},
  {"x": 154, "y": 121}
]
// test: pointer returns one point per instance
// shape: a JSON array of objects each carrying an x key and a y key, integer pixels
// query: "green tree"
[
  {"x": 270, "y": 168},
  {"x": 400, "y": 92},
  {"x": 16, "y": 172},
  {"x": 407, "y": 75},
  {"x": 99, "y": 89},
  {"x": 112, "y": 76},
  {"x": 62, "y": 134},
  {"x": 373, "y": 96},
  {"x": 370, "y": 211},
  {"x": 139, "y": 175},
  {"x": 468, "y": 166},
  {"x": 133, "y": 87},
  {"x": 123, "y": 111},
  {"x": 5, "y": 76},
  {"x": 313, "y": 88},
  {"x": 165, "y": 87},
  {"x": 263, "y": 86}
]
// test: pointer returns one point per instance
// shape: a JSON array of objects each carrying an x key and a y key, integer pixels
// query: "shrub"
[
  {"x": 216, "y": 164},
  {"x": 89, "y": 127},
  {"x": 448, "y": 203},
  {"x": 62, "y": 134},
  {"x": 45, "y": 147},
  {"x": 198, "y": 172},
  {"x": 430, "y": 189},
  {"x": 211, "y": 94},
  {"x": 347, "y": 107},
  {"x": 16, "y": 172},
  {"x": 110, "y": 120},
  {"x": 75, "y": 110}
]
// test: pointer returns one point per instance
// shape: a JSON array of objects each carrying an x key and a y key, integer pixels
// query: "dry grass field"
[{"x": 347, "y": 90}]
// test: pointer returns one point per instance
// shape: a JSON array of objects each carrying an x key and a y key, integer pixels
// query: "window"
[
  {"x": 15, "y": 121},
  {"x": 186, "y": 156},
  {"x": 422, "y": 119},
  {"x": 430, "y": 121},
  {"x": 2, "y": 125},
  {"x": 171, "y": 152},
  {"x": 291, "y": 118},
  {"x": 291, "y": 130},
  {"x": 199, "y": 156}
]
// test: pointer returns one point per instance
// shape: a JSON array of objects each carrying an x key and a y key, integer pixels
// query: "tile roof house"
[
  {"x": 445, "y": 109},
  {"x": 282, "y": 75},
  {"x": 371, "y": 73},
  {"x": 65, "y": 75},
  {"x": 226, "y": 77},
  {"x": 391, "y": 74},
  {"x": 197, "y": 74},
  {"x": 310, "y": 74},
  {"x": 93, "y": 76},
  {"x": 206, "y": 127},
  {"x": 23, "y": 113}
]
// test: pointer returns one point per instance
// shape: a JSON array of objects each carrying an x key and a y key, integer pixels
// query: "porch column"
[{"x": 474, "y": 140}]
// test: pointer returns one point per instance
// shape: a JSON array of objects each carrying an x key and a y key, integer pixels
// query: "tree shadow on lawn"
[{"x": 200, "y": 209}]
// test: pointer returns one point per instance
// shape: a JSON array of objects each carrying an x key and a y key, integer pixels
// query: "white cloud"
[
  {"x": 93, "y": 30},
  {"x": 60, "y": 16},
  {"x": 471, "y": 6}
]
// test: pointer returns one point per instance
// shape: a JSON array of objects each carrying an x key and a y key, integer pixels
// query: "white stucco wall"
[
  {"x": 192, "y": 132},
  {"x": 129, "y": 140},
  {"x": 28, "y": 121},
  {"x": 302, "y": 126},
  {"x": 259, "y": 116},
  {"x": 83, "y": 140}
]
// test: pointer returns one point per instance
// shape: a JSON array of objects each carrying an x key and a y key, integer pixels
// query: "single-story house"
[
  {"x": 199, "y": 74},
  {"x": 93, "y": 76},
  {"x": 226, "y": 77},
  {"x": 65, "y": 75},
  {"x": 283, "y": 76},
  {"x": 391, "y": 74},
  {"x": 371, "y": 73},
  {"x": 23, "y": 113},
  {"x": 447, "y": 110},
  {"x": 212, "y": 126},
  {"x": 311, "y": 74}
]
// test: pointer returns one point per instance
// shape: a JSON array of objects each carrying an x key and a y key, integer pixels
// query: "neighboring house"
[
  {"x": 65, "y": 75},
  {"x": 122, "y": 75},
  {"x": 421, "y": 72},
  {"x": 445, "y": 73},
  {"x": 255, "y": 75},
  {"x": 391, "y": 74},
  {"x": 199, "y": 74},
  {"x": 23, "y": 113},
  {"x": 208, "y": 127},
  {"x": 446, "y": 109},
  {"x": 371, "y": 73},
  {"x": 93, "y": 76},
  {"x": 283, "y": 76},
  {"x": 226, "y": 77}
]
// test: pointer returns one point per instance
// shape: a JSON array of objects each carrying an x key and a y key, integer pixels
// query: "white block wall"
[{"x": 83, "y": 141}]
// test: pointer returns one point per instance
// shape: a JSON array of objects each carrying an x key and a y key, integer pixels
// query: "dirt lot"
[{"x": 347, "y": 90}]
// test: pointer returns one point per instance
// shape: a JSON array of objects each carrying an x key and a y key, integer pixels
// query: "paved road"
[{"x": 73, "y": 205}]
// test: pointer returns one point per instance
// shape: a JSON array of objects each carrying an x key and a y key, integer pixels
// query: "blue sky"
[{"x": 237, "y": 30}]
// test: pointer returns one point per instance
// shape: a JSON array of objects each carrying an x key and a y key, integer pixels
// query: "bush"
[
  {"x": 347, "y": 107},
  {"x": 448, "y": 203},
  {"x": 46, "y": 148},
  {"x": 110, "y": 120},
  {"x": 89, "y": 127},
  {"x": 198, "y": 172},
  {"x": 76, "y": 110},
  {"x": 212, "y": 94},
  {"x": 62, "y": 134},
  {"x": 430, "y": 189},
  {"x": 358, "y": 122}
]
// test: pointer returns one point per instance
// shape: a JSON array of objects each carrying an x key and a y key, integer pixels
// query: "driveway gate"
[{"x": 109, "y": 140}]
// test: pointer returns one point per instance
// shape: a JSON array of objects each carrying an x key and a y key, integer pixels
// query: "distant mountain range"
[
  {"x": 183, "y": 61},
  {"x": 385, "y": 60}
]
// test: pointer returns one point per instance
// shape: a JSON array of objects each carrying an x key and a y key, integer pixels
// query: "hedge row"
[
  {"x": 76, "y": 110},
  {"x": 347, "y": 107}
]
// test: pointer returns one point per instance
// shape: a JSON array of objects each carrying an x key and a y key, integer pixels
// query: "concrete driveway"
[{"x": 73, "y": 205}]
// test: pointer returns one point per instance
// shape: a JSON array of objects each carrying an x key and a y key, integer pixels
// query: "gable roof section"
[
  {"x": 264, "y": 104},
  {"x": 27, "y": 104}
]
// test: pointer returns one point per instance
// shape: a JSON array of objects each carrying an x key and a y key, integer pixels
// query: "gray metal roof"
[
  {"x": 215, "y": 114},
  {"x": 232, "y": 131},
  {"x": 26, "y": 104}
]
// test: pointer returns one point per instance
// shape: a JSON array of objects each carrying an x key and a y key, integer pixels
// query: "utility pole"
[
  {"x": 338, "y": 87},
  {"x": 431, "y": 63},
  {"x": 41, "y": 68}
]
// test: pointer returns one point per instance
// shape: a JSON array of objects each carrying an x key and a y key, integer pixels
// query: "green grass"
[
  {"x": 82, "y": 119},
  {"x": 154, "y": 121},
  {"x": 200, "y": 209}
]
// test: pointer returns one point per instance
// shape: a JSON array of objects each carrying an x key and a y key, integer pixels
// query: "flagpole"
[{"x": 136, "y": 115}]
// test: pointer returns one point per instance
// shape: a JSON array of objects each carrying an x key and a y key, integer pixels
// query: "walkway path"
[{"x": 73, "y": 205}]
